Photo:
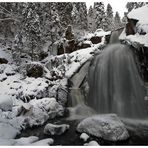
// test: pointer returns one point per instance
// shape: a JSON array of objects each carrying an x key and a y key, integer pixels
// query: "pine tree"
[
  {"x": 91, "y": 20},
  {"x": 124, "y": 19},
  {"x": 65, "y": 13},
  {"x": 100, "y": 17},
  {"x": 110, "y": 18},
  {"x": 31, "y": 28},
  {"x": 133, "y": 5},
  {"x": 117, "y": 21},
  {"x": 79, "y": 15}
]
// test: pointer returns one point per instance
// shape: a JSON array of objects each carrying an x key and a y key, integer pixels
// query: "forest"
[{"x": 73, "y": 75}]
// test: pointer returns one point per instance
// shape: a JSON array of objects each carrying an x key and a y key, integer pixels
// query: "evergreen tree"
[
  {"x": 117, "y": 21},
  {"x": 133, "y": 5},
  {"x": 79, "y": 15},
  {"x": 31, "y": 28},
  {"x": 124, "y": 19},
  {"x": 110, "y": 18},
  {"x": 91, "y": 20},
  {"x": 100, "y": 17},
  {"x": 65, "y": 13}
]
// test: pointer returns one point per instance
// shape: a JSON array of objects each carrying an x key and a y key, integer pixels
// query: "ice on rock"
[
  {"x": 84, "y": 137},
  {"x": 52, "y": 129}
]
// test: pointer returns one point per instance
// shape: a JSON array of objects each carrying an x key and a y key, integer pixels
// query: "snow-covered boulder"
[
  {"x": 84, "y": 137},
  {"x": 91, "y": 143},
  {"x": 6, "y": 103},
  {"x": 107, "y": 126},
  {"x": 44, "y": 142},
  {"x": 52, "y": 129},
  {"x": 7, "y": 131},
  {"x": 26, "y": 140},
  {"x": 42, "y": 110}
]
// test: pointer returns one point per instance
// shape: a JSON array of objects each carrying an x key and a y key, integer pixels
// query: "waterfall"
[{"x": 115, "y": 84}]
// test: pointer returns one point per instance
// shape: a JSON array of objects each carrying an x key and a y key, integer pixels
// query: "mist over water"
[{"x": 115, "y": 83}]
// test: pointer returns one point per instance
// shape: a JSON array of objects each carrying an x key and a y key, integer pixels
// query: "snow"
[
  {"x": 44, "y": 142},
  {"x": 84, "y": 137},
  {"x": 91, "y": 143},
  {"x": 26, "y": 141},
  {"x": 42, "y": 110},
  {"x": 82, "y": 56},
  {"x": 7, "y": 131},
  {"x": 107, "y": 126},
  {"x": 139, "y": 14},
  {"x": 6, "y": 103},
  {"x": 101, "y": 32},
  {"x": 52, "y": 129}
]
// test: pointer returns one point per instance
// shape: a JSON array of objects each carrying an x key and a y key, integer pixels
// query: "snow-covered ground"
[{"x": 28, "y": 101}]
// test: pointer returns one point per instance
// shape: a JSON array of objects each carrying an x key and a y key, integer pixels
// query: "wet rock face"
[
  {"x": 34, "y": 70},
  {"x": 95, "y": 39},
  {"x": 52, "y": 129},
  {"x": 108, "y": 127},
  {"x": 130, "y": 26},
  {"x": 3, "y": 61}
]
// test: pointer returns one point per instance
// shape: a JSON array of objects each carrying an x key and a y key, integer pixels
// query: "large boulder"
[
  {"x": 51, "y": 129},
  {"x": 108, "y": 127},
  {"x": 34, "y": 69}
]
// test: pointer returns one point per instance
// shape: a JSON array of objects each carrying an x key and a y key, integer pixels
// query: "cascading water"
[{"x": 115, "y": 84}]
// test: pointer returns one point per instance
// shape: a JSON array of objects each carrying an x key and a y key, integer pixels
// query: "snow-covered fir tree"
[
  {"x": 100, "y": 17},
  {"x": 117, "y": 20},
  {"x": 90, "y": 19},
  {"x": 133, "y": 5},
  {"x": 31, "y": 29},
  {"x": 110, "y": 17},
  {"x": 79, "y": 15},
  {"x": 65, "y": 13}
]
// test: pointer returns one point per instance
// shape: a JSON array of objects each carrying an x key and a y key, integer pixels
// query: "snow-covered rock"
[
  {"x": 91, "y": 143},
  {"x": 107, "y": 126},
  {"x": 6, "y": 103},
  {"x": 44, "y": 142},
  {"x": 84, "y": 137},
  {"x": 42, "y": 110},
  {"x": 52, "y": 129},
  {"x": 7, "y": 131},
  {"x": 26, "y": 140}
]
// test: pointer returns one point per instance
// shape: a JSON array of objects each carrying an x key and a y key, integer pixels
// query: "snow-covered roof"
[{"x": 140, "y": 14}]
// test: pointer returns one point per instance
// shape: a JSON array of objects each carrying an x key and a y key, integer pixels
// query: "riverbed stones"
[
  {"x": 53, "y": 129},
  {"x": 107, "y": 126}
]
